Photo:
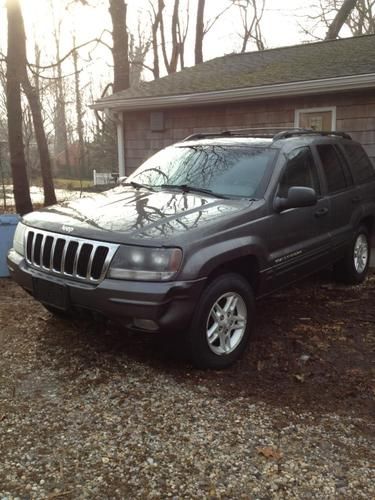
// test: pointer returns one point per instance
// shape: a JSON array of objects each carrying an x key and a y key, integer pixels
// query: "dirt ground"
[{"x": 89, "y": 411}]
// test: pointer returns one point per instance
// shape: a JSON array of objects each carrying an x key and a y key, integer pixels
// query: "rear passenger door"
[
  {"x": 341, "y": 192},
  {"x": 363, "y": 173}
]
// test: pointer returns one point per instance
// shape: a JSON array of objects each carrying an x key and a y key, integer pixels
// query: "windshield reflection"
[{"x": 224, "y": 170}]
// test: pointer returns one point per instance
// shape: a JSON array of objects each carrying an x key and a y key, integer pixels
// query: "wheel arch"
[
  {"x": 247, "y": 266},
  {"x": 369, "y": 222}
]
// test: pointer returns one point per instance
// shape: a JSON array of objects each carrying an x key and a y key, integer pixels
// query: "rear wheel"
[
  {"x": 352, "y": 268},
  {"x": 222, "y": 322}
]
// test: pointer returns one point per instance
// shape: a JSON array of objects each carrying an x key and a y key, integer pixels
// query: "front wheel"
[
  {"x": 352, "y": 268},
  {"x": 222, "y": 322}
]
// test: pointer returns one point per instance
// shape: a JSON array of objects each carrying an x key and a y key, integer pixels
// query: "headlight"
[
  {"x": 19, "y": 239},
  {"x": 147, "y": 264}
]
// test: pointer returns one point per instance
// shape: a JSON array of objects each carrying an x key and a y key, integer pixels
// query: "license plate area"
[{"x": 51, "y": 293}]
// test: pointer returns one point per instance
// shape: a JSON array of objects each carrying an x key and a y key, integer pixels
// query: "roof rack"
[
  {"x": 283, "y": 134},
  {"x": 296, "y": 132},
  {"x": 238, "y": 132}
]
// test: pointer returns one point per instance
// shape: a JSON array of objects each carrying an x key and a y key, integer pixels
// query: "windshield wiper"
[
  {"x": 137, "y": 185},
  {"x": 186, "y": 188}
]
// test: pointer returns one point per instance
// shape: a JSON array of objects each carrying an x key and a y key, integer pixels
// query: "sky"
[{"x": 280, "y": 25}]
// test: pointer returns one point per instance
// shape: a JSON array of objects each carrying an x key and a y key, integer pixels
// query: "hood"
[{"x": 125, "y": 214}]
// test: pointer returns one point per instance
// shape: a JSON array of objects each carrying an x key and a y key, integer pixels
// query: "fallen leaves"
[{"x": 270, "y": 452}]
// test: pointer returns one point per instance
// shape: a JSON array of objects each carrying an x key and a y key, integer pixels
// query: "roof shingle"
[{"x": 314, "y": 61}]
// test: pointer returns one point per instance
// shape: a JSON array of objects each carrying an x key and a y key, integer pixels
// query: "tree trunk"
[
  {"x": 117, "y": 9},
  {"x": 17, "y": 155},
  {"x": 170, "y": 64},
  {"x": 175, "y": 44},
  {"x": 41, "y": 139},
  {"x": 199, "y": 32},
  {"x": 81, "y": 141},
  {"x": 34, "y": 103},
  {"x": 340, "y": 18},
  {"x": 61, "y": 133},
  {"x": 155, "y": 27}
]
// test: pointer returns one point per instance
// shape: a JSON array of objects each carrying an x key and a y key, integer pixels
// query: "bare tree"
[
  {"x": 360, "y": 20},
  {"x": 182, "y": 32},
  {"x": 32, "y": 95},
  {"x": 15, "y": 136},
  {"x": 155, "y": 22},
  {"x": 139, "y": 45},
  {"x": 172, "y": 61},
  {"x": 199, "y": 32},
  {"x": 79, "y": 113},
  {"x": 60, "y": 119},
  {"x": 120, "y": 52},
  {"x": 202, "y": 27},
  {"x": 251, "y": 12},
  {"x": 340, "y": 19}
]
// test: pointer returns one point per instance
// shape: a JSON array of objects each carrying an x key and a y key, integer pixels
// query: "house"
[{"x": 326, "y": 85}]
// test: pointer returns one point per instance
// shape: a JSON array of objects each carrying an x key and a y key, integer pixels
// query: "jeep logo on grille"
[{"x": 67, "y": 229}]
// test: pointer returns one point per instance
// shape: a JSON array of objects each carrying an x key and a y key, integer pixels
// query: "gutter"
[{"x": 305, "y": 87}]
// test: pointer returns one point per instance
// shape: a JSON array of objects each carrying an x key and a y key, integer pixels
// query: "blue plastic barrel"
[{"x": 8, "y": 224}]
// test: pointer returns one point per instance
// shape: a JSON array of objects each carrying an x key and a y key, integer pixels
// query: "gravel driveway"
[{"x": 90, "y": 411}]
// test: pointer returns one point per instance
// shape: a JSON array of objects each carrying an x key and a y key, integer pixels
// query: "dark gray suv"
[{"x": 203, "y": 227}]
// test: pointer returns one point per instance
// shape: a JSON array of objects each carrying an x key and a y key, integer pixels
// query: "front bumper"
[{"x": 168, "y": 304}]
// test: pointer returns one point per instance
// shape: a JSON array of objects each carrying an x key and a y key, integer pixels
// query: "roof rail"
[
  {"x": 283, "y": 134},
  {"x": 239, "y": 132},
  {"x": 296, "y": 132}
]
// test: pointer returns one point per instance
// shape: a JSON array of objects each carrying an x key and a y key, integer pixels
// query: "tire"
[
  {"x": 352, "y": 268},
  {"x": 230, "y": 295}
]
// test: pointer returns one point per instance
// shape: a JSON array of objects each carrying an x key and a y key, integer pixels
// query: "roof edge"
[{"x": 304, "y": 87}]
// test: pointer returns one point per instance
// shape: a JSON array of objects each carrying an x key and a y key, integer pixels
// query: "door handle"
[
  {"x": 356, "y": 199},
  {"x": 321, "y": 212}
]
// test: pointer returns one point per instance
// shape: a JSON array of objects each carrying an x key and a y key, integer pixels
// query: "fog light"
[{"x": 145, "y": 324}]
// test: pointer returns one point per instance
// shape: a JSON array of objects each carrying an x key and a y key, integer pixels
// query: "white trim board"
[
  {"x": 298, "y": 112},
  {"x": 307, "y": 87}
]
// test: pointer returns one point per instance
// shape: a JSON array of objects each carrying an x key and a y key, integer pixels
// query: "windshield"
[{"x": 224, "y": 170}]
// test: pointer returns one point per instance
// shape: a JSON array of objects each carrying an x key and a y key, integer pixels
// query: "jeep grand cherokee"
[{"x": 200, "y": 229}]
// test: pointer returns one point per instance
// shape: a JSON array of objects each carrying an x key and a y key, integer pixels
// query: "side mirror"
[{"x": 298, "y": 196}]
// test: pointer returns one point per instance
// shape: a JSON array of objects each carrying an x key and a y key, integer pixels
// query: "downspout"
[{"x": 119, "y": 118}]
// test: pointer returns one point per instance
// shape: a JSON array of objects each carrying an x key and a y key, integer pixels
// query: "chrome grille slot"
[
  {"x": 37, "y": 248},
  {"x": 58, "y": 254},
  {"x": 85, "y": 260},
  {"x": 47, "y": 252},
  {"x": 98, "y": 262},
  {"x": 70, "y": 256}
]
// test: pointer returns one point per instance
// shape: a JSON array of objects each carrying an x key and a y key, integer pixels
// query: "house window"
[{"x": 316, "y": 118}]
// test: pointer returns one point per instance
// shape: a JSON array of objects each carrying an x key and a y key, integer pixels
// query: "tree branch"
[{"x": 68, "y": 54}]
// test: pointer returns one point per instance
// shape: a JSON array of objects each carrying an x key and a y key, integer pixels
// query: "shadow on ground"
[{"x": 312, "y": 350}]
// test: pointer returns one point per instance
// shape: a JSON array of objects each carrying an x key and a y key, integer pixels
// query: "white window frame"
[{"x": 297, "y": 114}]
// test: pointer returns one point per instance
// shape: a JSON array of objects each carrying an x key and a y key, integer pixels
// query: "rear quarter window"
[{"x": 360, "y": 165}]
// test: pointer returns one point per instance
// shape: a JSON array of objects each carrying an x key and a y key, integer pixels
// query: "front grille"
[{"x": 62, "y": 255}]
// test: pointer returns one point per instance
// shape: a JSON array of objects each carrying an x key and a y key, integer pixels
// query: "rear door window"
[
  {"x": 360, "y": 165},
  {"x": 333, "y": 168}
]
